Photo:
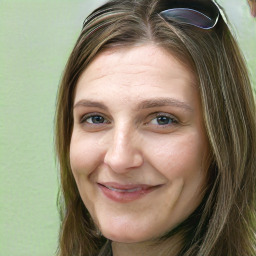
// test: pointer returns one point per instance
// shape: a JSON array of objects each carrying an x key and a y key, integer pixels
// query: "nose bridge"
[
  {"x": 123, "y": 152},
  {"x": 122, "y": 137}
]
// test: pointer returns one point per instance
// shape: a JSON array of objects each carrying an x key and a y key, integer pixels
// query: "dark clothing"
[{"x": 106, "y": 250}]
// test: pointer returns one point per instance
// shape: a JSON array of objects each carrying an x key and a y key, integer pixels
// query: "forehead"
[{"x": 139, "y": 71}]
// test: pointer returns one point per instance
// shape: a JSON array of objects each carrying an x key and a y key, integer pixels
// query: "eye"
[
  {"x": 163, "y": 120},
  {"x": 94, "y": 119}
]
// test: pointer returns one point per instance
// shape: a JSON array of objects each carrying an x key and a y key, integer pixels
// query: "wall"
[{"x": 36, "y": 38}]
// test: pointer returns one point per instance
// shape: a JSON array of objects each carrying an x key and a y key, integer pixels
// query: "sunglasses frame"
[{"x": 203, "y": 14}]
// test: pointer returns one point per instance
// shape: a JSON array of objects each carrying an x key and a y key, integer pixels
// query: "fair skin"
[{"x": 138, "y": 145}]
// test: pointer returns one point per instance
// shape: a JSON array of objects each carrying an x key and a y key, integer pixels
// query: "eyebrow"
[
  {"x": 150, "y": 103},
  {"x": 161, "y": 102},
  {"x": 89, "y": 103}
]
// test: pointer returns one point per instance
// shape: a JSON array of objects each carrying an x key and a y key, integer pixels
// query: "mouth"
[
  {"x": 124, "y": 190},
  {"x": 126, "y": 193}
]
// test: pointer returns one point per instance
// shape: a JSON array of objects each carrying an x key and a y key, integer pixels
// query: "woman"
[{"x": 156, "y": 134}]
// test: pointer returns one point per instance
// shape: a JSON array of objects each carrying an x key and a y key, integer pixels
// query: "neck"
[{"x": 168, "y": 247}]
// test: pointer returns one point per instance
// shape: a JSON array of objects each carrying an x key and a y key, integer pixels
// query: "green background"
[{"x": 36, "y": 38}]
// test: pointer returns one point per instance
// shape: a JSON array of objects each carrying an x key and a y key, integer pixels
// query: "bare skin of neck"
[{"x": 170, "y": 247}]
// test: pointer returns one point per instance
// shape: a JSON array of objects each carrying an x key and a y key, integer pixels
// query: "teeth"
[{"x": 123, "y": 190}]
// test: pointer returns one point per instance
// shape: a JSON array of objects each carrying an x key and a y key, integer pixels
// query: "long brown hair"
[{"x": 224, "y": 223}]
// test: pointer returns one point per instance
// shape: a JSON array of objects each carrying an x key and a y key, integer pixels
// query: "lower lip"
[{"x": 125, "y": 197}]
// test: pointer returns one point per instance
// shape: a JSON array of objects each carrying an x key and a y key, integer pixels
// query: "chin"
[
  {"x": 123, "y": 239},
  {"x": 124, "y": 235}
]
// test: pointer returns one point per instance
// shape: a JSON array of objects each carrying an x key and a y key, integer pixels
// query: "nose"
[{"x": 124, "y": 152}]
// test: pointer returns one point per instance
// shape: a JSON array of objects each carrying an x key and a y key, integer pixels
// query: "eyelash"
[
  {"x": 85, "y": 118},
  {"x": 171, "y": 120}
]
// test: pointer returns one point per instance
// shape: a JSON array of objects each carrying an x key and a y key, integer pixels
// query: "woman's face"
[{"x": 138, "y": 144}]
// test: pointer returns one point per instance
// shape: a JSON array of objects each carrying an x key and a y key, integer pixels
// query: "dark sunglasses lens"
[{"x": 189, "y": 16}]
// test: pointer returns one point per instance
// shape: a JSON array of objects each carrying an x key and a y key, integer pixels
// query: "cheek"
[
  {"x": 182, "y": 160},
  {"x": 179, "y": 156},
  {"x": 85, "y": 154}
]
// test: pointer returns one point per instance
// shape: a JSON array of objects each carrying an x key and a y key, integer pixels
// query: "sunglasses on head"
[{"x": 200, "y": 13}]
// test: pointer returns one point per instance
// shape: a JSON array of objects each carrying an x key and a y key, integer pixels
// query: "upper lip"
[{"x": 116, "y": 185}]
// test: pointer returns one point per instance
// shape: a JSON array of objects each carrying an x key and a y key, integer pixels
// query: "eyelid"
[
  {"x": 165, "y": 114},
  {"x": 160, "y": 114},
  {"x": 91, "y": 114},
  {"x": 149, "y": 119},
  {"x": 174, "y": 122}
]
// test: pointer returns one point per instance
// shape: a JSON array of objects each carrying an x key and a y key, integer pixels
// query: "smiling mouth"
[
  {"x": 126, "y": 193},
  {"x": 124, "y": 190}
]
